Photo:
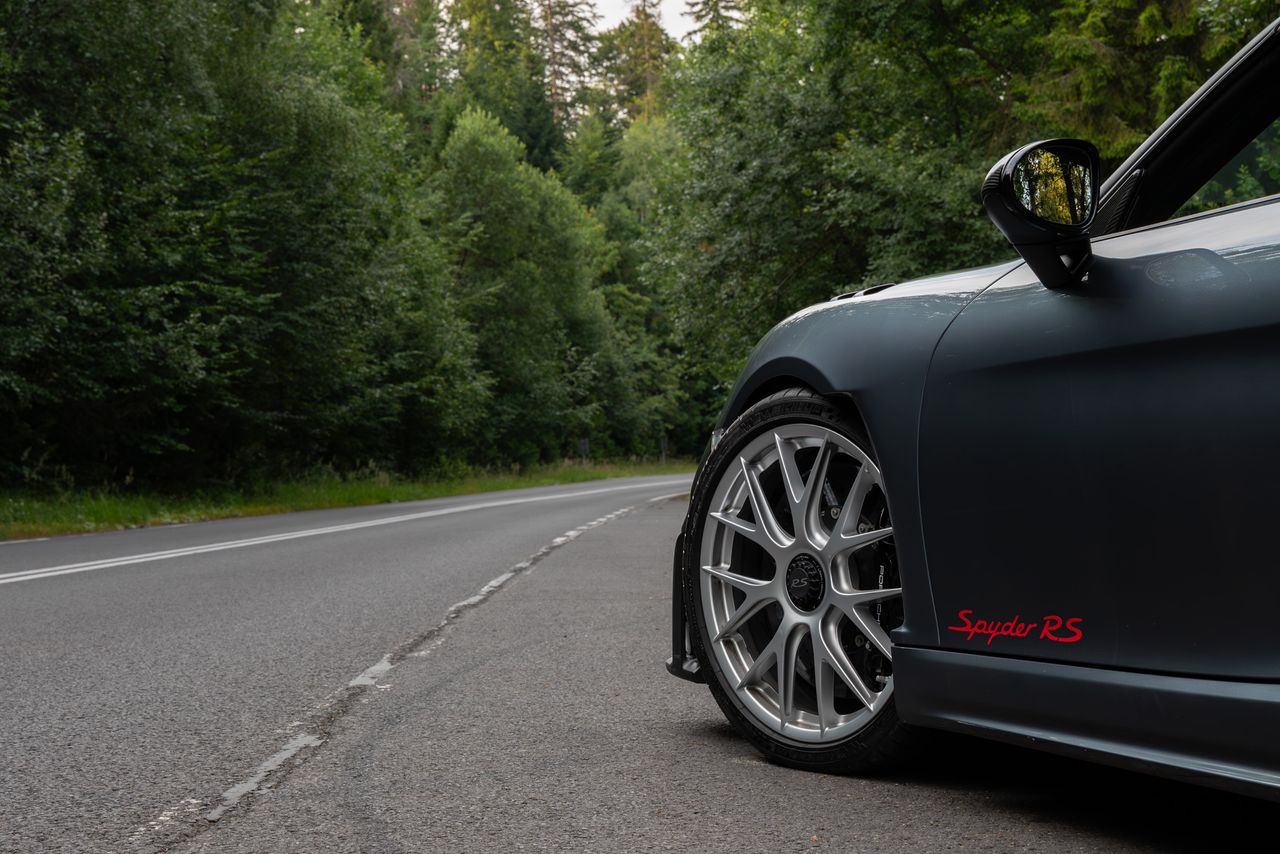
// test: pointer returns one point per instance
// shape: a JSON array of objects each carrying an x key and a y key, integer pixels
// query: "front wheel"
[{"x": 791, "y": 580}]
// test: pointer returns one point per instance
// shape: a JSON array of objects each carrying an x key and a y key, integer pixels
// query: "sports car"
[{"x": 1037, "y": 502}]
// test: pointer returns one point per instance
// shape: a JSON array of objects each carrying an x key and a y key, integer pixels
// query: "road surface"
[{"x": 470, "y": 674}]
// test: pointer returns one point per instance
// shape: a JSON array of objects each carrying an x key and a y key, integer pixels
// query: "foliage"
[
  {"x": 711, "y": 15},
  {"x": 567, "y": 39},
  {"x": 834, "y": 145},
  {"x": 1253, "y": 173},
  {"x": 1116, "y": 68},
  {"x": 240, "y": 240},
  {"x": 501, "y": 71},
  {"x": 525, "y": 257},
  {"x": 632, "y": 58}
]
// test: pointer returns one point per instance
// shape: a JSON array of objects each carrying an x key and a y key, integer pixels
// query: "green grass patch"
[{"x": 31, "y": 514}]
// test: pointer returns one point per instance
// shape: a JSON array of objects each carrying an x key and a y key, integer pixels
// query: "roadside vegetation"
[
  {"x": 43, "y": 514},
  {"x": 243, "y": 240}
]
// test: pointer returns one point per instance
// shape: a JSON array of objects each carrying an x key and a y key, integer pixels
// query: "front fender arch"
[
  {"x": 776, "y": 375},
  {"x": 792, "y": 373}
]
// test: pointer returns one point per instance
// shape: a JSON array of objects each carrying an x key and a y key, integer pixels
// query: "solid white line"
[
  {"x": 27, "y": 540},
  {"x": 87, "y": 566}
]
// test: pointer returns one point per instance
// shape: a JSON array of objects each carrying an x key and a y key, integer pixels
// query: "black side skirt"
[{"x": 1207, "y": 731}]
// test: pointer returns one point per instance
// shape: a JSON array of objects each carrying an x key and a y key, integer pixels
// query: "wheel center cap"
[{"x": 805, "y": 582}]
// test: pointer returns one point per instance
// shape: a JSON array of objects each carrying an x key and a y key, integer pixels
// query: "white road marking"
[
  {"x": 88, "y": 566},
  {"x": 232, "y": 796},
  {"x": 257, "y": 782},
  {"x": 27, "y": 540},
  {"x": 180, "y": 812},
  {"x": 369, "y": 676}
]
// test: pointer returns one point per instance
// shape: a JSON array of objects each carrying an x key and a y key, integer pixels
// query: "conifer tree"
[
  {"x": 632, "y": 56},
  {"x": 568, "y": 40},
  {"x": 714, "y": 15},
  {"x": 501, "y": 71}
]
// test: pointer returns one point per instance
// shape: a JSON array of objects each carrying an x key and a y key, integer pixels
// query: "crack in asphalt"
[{"x": 188, "y": 818}]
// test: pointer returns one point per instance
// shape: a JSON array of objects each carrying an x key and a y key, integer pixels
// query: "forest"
[{"x": 241, "y": 239}]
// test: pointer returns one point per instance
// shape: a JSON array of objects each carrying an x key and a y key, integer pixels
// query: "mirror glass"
[{"x": 1054, "y": 184}]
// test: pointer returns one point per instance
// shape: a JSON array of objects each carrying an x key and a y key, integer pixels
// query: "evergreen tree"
[
  {"x": 714, "y": 15},
  {"x": 501, "y": 71},
  {"x": 588, "y": 159},
  {"x": 632, "y": 57},
  {"x": 568, "y": 41},
  {"x": 379, "y": 27}
]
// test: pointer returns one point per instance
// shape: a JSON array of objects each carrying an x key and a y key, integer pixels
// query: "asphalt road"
[{"x": 312, "y": 690}]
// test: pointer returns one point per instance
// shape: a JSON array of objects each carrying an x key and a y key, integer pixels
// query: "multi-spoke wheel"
[{"x": 792, "y": 580}]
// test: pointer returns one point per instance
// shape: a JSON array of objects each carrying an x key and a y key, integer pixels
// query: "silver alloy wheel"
[{"x": 794, "y": 614}]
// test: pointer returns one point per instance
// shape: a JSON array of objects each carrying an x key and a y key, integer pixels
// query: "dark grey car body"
[{"x": 1106, "y": 457}]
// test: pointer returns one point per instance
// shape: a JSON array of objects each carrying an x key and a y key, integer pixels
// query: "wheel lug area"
[{"x": 806, "y": 582}]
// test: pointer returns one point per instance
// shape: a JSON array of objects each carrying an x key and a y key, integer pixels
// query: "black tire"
[{"x": 881, "y": 742}]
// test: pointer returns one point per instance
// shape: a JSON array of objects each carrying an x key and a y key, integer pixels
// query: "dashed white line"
[
  {"x": 180, "y": 812},
  {"x": 232, "y": 796},
  {"x": 371, "y": 674},
  {"x": 264, "y": 776},
  {"x": 89, "y": 566}
]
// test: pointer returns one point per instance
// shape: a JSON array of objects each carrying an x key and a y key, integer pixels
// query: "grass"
[{"x": 32, "y": 514}]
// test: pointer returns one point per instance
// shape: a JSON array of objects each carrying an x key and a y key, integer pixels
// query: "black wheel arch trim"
[{"x": 683, "y": 663}]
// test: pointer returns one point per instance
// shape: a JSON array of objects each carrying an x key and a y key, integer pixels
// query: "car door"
[{"x": 1100, "y": 466}]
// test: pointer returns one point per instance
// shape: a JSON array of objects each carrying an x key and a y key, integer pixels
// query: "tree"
[
  {"x": 526, "y": 258},
  {"x": 568, "y": 40},
  {"x": 501, "y": 71},
  {"x": 714, "y": 15},
  {"x": 825, "y": 143},
  {"x": 131, "y": 294},
  {"x": 1113, "y": 69},
  {"x": 632, "y": 57},
  {"x": 229, "y": 275},
  {"x": 241, "y": 240},
  {"x": 409, "y": 44},
  {"x": 588, "y": 159}
]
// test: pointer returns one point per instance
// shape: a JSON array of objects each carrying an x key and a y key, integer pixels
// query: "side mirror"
[{"x": 1042, "y": 197}]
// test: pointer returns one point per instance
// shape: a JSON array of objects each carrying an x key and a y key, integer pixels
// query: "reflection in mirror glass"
[{"x": 1054, "y": 185}]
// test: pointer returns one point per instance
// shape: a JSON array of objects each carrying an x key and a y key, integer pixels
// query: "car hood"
[{"x": 970, "y": 281}]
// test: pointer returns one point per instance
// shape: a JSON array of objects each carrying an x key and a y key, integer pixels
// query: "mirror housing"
[{"x": 1043, "y": 198}]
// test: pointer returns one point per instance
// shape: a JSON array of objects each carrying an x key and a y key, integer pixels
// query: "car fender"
[{"x": 873, "y": 352}]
